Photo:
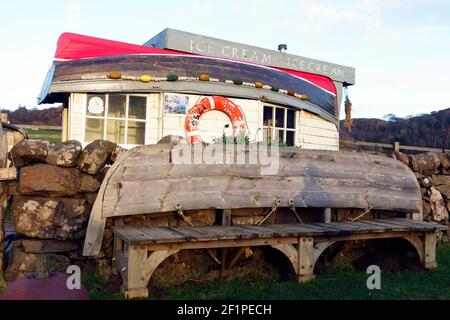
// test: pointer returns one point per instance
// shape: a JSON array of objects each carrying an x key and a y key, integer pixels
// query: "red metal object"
[{"x": 52, "y": 288}]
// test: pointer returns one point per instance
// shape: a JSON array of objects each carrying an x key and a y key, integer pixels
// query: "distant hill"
[
  {"x": 22, "y": 115},
  {"x": 425, "y": 130}
]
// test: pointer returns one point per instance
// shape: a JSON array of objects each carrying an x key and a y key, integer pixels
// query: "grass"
[
  {"x": 54, "y": 136},
  {"x": 339, "y": 281}
]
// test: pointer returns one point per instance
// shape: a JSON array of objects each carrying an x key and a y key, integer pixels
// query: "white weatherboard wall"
[
  {"x": 77, "y": 116},
  {"x": 316, "y": 133},
  {"x": 313, "y": 132}
]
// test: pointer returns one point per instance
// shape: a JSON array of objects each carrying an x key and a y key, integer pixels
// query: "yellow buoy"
[
  {"x": 115, "y": 75},
  {"x": 304, "y": 97},
  {"x": 258, "y": 84},
  {"x": 203, "y": 77},
  {"x": 145, "y": 78}
]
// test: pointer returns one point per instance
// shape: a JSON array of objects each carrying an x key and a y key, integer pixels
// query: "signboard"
[{"x": 193, "y": 43}]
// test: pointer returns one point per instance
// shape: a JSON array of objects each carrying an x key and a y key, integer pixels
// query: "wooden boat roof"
[{"x": 81, "y": 61}]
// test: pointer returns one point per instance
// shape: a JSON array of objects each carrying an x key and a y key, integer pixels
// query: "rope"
[
  {"x": 292, "y": 207},
  {"x": 369, "y": 208},
  {"x": 180, "y": 213},
  {"x": 276, "y": 203}
]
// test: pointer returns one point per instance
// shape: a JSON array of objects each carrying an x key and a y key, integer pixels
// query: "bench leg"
[
  {"x": 305, "y": 259},
  {"x": 136, "y": 266},
  {"x": 429, "y": 250},
  {"x": 135, "y": 284},
  {"x": 426, "y": 248}
]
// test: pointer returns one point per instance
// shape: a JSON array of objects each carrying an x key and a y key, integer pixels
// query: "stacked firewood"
[
  {"x": 55, "y": 190},
  {"x": 433, "y": 173}
]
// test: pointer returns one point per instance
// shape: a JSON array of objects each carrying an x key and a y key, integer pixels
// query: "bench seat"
[{"x": 139, "y": 250}]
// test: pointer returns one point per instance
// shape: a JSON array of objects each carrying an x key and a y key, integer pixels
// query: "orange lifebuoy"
[{"x": 205, "y": 104}]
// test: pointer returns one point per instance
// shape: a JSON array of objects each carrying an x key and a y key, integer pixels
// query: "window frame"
[
  {"x": 284, "y": 129},
  {"x": 126, "y": 119}
]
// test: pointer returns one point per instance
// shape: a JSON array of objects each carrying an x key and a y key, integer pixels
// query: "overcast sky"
[{"x": 400, "y": 48}]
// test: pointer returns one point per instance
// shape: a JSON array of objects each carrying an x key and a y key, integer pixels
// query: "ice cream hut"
[{"x": 194, "y": 86}]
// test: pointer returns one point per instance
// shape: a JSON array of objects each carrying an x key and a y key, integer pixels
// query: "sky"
[{"x": 400, "y": 48}]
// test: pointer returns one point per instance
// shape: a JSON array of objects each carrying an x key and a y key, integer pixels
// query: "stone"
[
  {"x": 426, "y": 208},
  {"x": 49, "y": 246},
  {"x": 88, "y": 183},
  {"x": 425, "y": 182},
  {"x": 445, "y": 160},
  {"x": 22, "y": 264},
  {"x": 437, "y": 205},
  {"x": 54, "y": 218},
  {"x": 199, "y": 218},
  {"x": 413, "y": 163},
  {"x": 428, "y": 161},
  {"x": 48, "y": 180},
  {"x": 246, "y": 219},
  {"x": 173, "y": 139},
  {"x": 442, "y": 184},
  {"x": 90, "y": 197},
  {"x": 30, "y": 151},
  {"x": 117, "y": 153},
  {"x": 95, "y": 156},
  {"x": 400, "y": 156},
  {"x": 65, "y": 154}
]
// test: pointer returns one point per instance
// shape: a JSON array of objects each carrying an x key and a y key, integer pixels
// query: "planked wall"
[
  {"x": 316, "y": 133},
  {"x": 313, "y": 132}
]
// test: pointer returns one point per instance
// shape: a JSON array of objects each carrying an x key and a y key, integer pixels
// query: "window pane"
[
  {"x": 279, "y": 117},
  {"x": 94, "y": 129},
  {"x": 137, "y": 108},
  {"x": 115, "y": 131},
  {"x": 136, "y": 132},
  {"x": 290, "y": 140},
  {"x": 279, "y": 136},
  {"x": 267, "y": 135},
  {"x": 116, "y": 105},
  {"x": 95, "y": 105},
  {"x": 290, "y": 119},
  {"x": 268, "y": 116}
]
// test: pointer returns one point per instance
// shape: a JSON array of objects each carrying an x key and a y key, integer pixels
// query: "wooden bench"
[{"x": 138, "y": 251}]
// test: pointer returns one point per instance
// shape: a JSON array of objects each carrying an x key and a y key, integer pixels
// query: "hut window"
[
  {"x": 279, "y": 125},
  {"x": 116, "y": 117}
]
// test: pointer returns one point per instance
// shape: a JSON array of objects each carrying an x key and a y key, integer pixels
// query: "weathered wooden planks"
[
  {"x": 146, "y": 180},
  {"x": 144, "y": 235}
]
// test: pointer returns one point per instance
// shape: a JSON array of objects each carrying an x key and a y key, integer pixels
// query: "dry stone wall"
[
  {"x": 433, "y": 173},
  {"x": 55, "y": 190}
]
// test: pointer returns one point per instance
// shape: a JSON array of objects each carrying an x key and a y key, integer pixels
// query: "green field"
[
  {"x": 54, "y": 136},
  {"x": 339, "y": 281}
]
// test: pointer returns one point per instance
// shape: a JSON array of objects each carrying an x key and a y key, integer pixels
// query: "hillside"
[{"x": 425, "y": 130}]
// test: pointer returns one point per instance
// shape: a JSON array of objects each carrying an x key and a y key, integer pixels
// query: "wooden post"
[
  {"x": 429, "y": 247},
  {"x": 305, "y": 259},
  {"x": 326, "y": 215},
  {"x": 65, "y": 126},
  {"x": 136, "y": 282},
  {"x": 396, "y": 146}
]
